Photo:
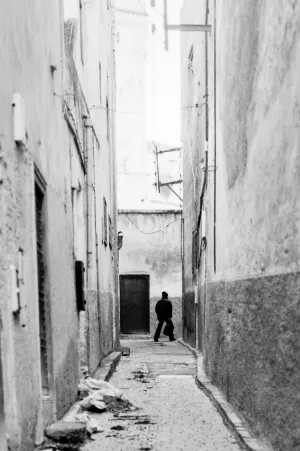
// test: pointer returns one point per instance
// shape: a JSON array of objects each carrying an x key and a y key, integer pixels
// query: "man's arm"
[
  {"x": 170, "y": 310},
  {"x": 156, "y": 309}
]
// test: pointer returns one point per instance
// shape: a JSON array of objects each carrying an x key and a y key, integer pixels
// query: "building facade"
[
  {"x": 150, "y": 262},
  {"x": 148, "y": 153},
  {"x": 90, "y": 31},
  {"x": 148, "y": 106},
  {"x": 57, "y": 216},
  {"x": 241, "y": 206}
]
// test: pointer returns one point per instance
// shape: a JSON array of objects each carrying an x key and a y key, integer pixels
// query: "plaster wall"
[
  {"x": 194, "y": 112},
  {"x": 100, "y": 323},
  {"x": 250, "y": 292},
  {"x": 55, "y": 106},
  {"x": 152, "y": 245},
  {"x": 31, "y": 42}
]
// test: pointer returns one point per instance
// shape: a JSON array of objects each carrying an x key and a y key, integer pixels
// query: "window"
[
  {"x": 100, "y": 84},
  {"x": 81, "y": 31},
  {"x": 40, "y": 235},
  {"x": 104, "y": 225},
  {"x": 110, "y": 233}
]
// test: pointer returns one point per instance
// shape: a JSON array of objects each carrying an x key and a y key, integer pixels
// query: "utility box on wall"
[{"x": 79, "y": 277}]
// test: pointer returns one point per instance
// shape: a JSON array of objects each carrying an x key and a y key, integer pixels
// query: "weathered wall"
[
  {"x": 24, "y": 55},
  {"x": 194, "y": 135},
  {"x": 95, "y": 66},
  {"x": 36, "y": 65},
  {"x": 152, "y": 245},
  {"x": 251, "y": 293}
]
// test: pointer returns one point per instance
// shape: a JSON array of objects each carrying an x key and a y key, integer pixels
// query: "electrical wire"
[
  {"x": 151, "y": 233},
  {"x": 142, "y": 7},
  {"x": 98, "y": 107},
  {"x": 158, "y": 12}
]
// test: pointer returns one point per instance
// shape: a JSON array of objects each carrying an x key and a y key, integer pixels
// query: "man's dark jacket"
[{"x": 163, "y": 309}]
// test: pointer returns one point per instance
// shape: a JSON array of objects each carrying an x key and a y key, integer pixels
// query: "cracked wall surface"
[{"x": 248, "y": 277}]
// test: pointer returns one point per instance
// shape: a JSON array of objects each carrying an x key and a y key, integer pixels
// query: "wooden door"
[{"x": 135, "y": 305}]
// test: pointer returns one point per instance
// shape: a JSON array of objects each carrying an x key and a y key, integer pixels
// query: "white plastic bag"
[
  {"x": 91, "y": 386},
  {"x": 92, "y": 401}
]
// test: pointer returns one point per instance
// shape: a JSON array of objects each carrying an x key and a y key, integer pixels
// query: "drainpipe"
[
  {"x": 93, "y": 191},
  {"x": 206, "y": 73},
  {"x": 89, "y": 192},
  {"x": 215, "y": 136},
  {"x": 89, "y": 224}
]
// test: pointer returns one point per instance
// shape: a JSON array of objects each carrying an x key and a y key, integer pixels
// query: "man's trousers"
[{"x": 159, "y": 327}]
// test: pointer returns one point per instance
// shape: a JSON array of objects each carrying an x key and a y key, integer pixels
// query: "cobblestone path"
[{"x": 175, "y": 414}]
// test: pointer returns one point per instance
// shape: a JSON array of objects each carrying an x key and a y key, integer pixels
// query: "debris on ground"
[
  {"x": 91, "y": 385},
  {"x": 144, "y": 421},
  {"x": 93, "y": 403},
  {"x": 99, "y": 396},
  {"x": 92, "y": 426},
  {"x": 47, "y": 447},
  {"x": 142, "y": 376},
  {"x": 117, "y": 406},
  {"x": 125, "y": 351},
  {"x": 68, "y": 436},
  {"x": 118, "y": 427}
]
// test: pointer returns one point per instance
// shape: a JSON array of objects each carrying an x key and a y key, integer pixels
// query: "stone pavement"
[{"x": 175, "y": 414}]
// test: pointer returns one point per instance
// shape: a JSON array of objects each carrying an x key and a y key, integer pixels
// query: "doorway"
[
  {"x": 2, "y": 419},
  {"x": 135, "y": 303},
  {"x": 43, "y": 307}
]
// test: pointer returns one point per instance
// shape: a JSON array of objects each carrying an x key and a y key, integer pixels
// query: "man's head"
[{"x": 164, "y": 295}]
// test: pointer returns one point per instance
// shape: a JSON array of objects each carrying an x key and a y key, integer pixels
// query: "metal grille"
[{"x": 41, "y": 284}]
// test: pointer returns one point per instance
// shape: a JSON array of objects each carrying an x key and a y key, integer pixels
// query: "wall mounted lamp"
[{"x": 120, "y": 240}]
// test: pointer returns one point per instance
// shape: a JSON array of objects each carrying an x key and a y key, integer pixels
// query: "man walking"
[{"x": 163, "y": 310}]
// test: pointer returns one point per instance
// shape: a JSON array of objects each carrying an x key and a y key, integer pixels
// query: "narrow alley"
[
  {"x": 149, "y": 184},
  {"x": 174, "y": 414}
]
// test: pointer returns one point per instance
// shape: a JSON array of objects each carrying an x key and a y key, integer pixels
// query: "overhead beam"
[
  {"x": 170, "y": 150},
  {"x": 170, "y": 183},
  {"x": 181, "y": 27},
  {"x": 189, "y": 27}
]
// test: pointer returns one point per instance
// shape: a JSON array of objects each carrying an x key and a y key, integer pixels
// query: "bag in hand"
[{"x": 168, "y": 330}]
